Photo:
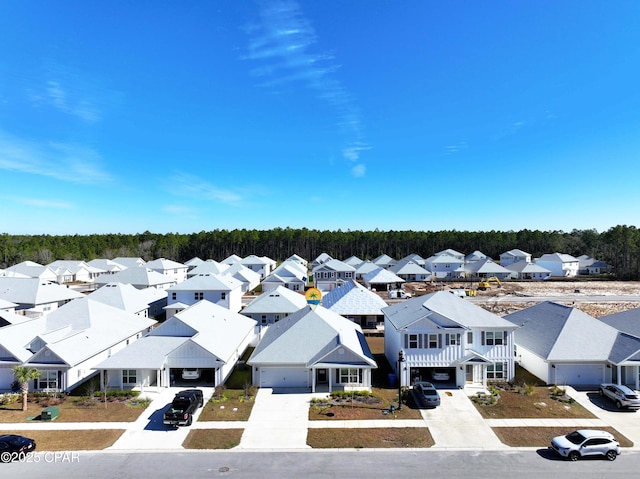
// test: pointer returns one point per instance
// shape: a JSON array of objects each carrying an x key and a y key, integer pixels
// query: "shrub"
[{"x": 8, "y": 398}]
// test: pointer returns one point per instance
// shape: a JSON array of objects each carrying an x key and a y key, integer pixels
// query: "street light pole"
[{"x": 400, "y": 361}]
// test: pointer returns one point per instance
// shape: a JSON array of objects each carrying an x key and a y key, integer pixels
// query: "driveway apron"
[
  {"x": 279, "y": 420},
  {"x": 457, "y": 424}
]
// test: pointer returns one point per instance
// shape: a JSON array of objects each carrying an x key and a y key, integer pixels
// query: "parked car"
[
  {"x": 190, "y": 373},
  {"x": 622, "y": 396},
  {"x": 13, "y": 447},
  {"x": 440, "y": 375},
  {"x": 425, "y": 394},
  {"x": 586, "y": 442}
]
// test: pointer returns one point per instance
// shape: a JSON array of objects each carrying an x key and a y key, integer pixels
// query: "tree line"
[{"x": 619, "y": 246}]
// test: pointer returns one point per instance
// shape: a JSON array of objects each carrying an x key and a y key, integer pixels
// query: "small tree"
[{"x": 23, "y": 375}]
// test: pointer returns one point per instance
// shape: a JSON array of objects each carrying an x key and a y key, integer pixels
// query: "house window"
[
  {"x": 453, "y": 339},
  {"x": 350, "y": 375},
  {"x": 413, "y": 341},
  {"x": 469, "y": 337},
  {"x": 48, "y": 380},
  {"x": 277, "y": 318},
  {"x": 223, "y": 295},
  {"x": 493, "y": 338},
  {"x": 198, "y": 295},
  {"x": 348, "y": 274},
  {"x": 496, "y": 371},
  {"x": 434, "y": 341},
  {"x": 263, "y": 319},
  {"x": 129, "y": 376},
  {"x": 174, "y": 296}
]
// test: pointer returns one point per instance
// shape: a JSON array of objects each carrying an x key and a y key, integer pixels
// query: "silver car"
[
  {"x": 586, "y": 442},
  {"x": 622, "y": 396}
]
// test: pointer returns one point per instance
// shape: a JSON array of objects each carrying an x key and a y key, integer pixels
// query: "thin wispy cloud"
[
  {"x": 63, "y": 161},
  {"x": 359, "y": 171},
  {"x": 197, "y": 188},
  {"x": 43, "y": 203},
  {"x": 285, "y": 44},
  {"x": 455, "y": 148},
  {"x": 59, "y": 97}
]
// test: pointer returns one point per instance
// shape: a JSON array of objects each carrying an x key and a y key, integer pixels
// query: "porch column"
[
  {"x": 330, "y": 373},
  {"x": 484, "y": 376},
  {"x": 102, "y": 380},
  {"x": 158, "y": 376},
  {"x": 313, "y": 380},
  {"x": 619, "y": 374}
]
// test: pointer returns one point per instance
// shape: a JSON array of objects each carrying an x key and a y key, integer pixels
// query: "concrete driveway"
[
  {"x": 149, "y": 433},
  {"x": 457, "y": 424}
]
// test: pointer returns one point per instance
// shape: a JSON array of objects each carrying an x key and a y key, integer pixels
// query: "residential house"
[
  {"x": 259, "y": 264},
  {"x": 35, "y": 297},
  {"x": 30, "y": 269},
  {"x": 475, "y": 256},
  {"x": 249, "y": 279},
  {"x": 298, "y": 259},
  {"x": 563, "y": 345},
  {"x": 231, "y": 259},
  {"x": 353, "y": 261},
  {"x": 139, "y": 277},
  {"x": 208, "y": 267},
  {"x": 381, "y": 279},
  {"x": 628, "y": 323},
  {"x": 451, "y": 252},
  {"x": 273, "y": 305},
  {"x": 170, "y": 268},
  {"x": 204, "y": 336},
  {"x": 331, "y": 274},
  {"x": 314, "y": 350},
  {"x": 486, "y": 268},
  {"x": 290, "y": 274},
  {"x": 416, "y": 258},
  {"x": 220, "y": 289},
  {"x": 322, "y": 258},
  {"x": 589, "y": 265},
  {"x": 65, "y": 345},
  {"x": 528, "y": 271},
  {"x": 385, "y": 261},
  {"x": 106, "y": 266},
  {"x": 192, "y": 263},
  {"x": 70, "y": 271},
  {"x": 445, "y": 332},
  {"x": 445, "y": 266},
  {"x": 514, "y": 256},
  {"x": 364, "y": 268},
  {"x": 560, "y": 264},
  {"x": 129, "y": 262},
  {"x": 410, "y": 271},
  {"x": 356, "y": 303},
  {"x": 130, "y": 299}
]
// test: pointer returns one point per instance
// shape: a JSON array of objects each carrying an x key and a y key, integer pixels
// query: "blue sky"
[{"x": 122, "y": 117}]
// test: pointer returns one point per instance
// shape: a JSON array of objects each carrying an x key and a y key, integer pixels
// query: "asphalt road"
[{"x": 523, "y": 464}]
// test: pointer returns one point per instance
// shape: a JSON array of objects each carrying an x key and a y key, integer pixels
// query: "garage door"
[
  {"x": 6, "y": 378},
  {"x": 579, "y": 374},
  {"x": 284, "y": 378}
]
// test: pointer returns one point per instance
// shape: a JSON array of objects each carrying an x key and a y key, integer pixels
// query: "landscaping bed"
[
  {"x": 388, "y": 437},
  {"x": 119, "y": 407},
  {"x": 213, "y": 439},
  {"x": 541, "y": 436},
  {"x": 229, "y": 405},
  {"x": 359, "y": 405},
  {"x": 72, "y": 440}
]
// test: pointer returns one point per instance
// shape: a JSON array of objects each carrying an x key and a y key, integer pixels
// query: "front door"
[
  {"x": 469, "y": 373},
  {"x": 321, "y": 376}
]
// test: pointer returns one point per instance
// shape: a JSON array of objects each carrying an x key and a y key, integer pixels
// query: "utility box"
[{"x": 49, "y": 413}]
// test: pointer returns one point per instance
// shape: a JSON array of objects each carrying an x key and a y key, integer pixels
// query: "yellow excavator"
[{"x": 486, "y": 283}]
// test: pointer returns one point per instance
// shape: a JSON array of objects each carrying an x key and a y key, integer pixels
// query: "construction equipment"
[{"x": 486, "y": 283}]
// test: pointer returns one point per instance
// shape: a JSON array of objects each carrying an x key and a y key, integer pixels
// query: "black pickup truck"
[{"x": 184, "y": 405}]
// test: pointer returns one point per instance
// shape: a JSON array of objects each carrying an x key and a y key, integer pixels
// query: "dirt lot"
[{"x": 560, "y": 288}]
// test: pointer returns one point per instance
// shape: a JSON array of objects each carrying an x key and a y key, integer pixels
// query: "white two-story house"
[
  {"x": 331, "y": 274},
  {"x": 440, "y": 331}
]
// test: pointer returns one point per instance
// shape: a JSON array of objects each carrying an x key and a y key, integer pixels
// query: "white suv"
[
  {"x": 586, "y": 442},
  {"x": 622, "y": 396}
]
